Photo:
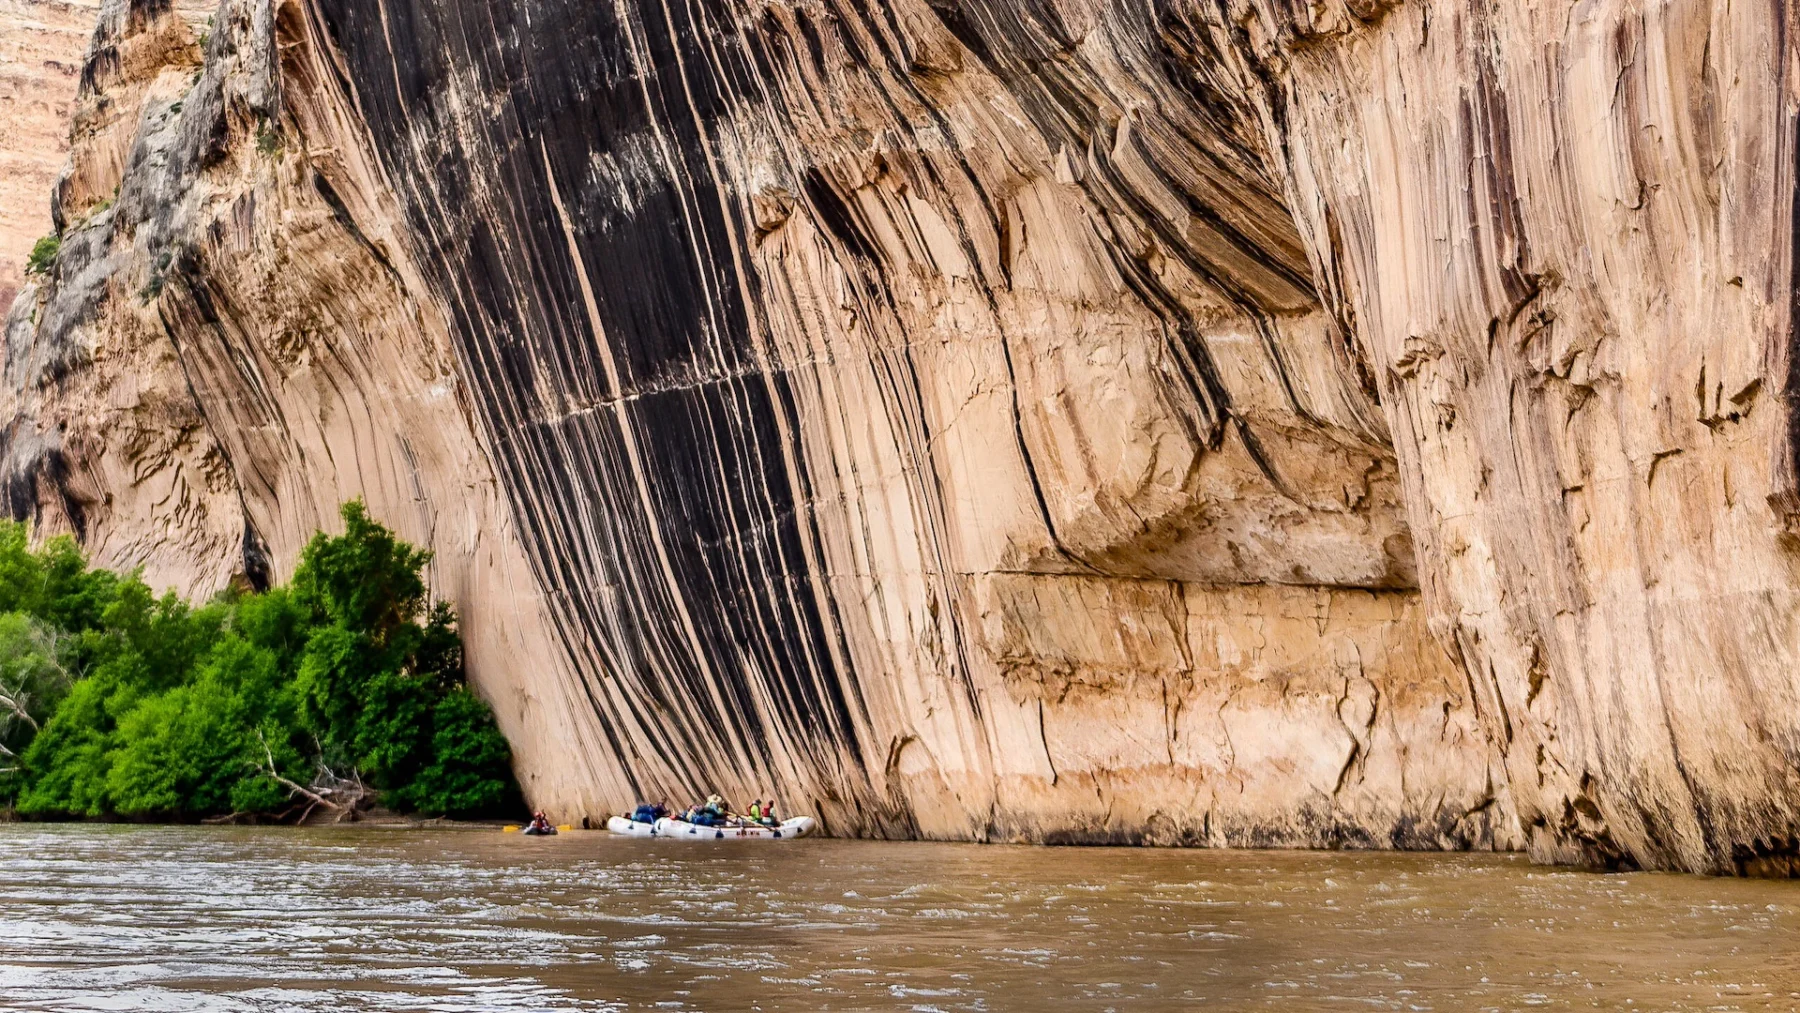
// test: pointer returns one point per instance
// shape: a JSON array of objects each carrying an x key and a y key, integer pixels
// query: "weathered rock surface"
[
  {"x": 985, "y": 418},
  {"x": 1564, "y": 234},
  {"x": 41, "y": 47}
]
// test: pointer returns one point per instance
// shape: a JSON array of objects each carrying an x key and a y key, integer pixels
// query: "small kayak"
[
  {"x": 631, "y": 828},
  {"x": 535, "y": 832},
  {"x": 789, "y": 829}
]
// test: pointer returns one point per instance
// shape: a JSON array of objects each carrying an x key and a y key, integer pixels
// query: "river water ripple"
[{"x": 241, "y": 919}]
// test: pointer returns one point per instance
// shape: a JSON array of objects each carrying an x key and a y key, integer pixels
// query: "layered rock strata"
[{"x": 1071, "y": 420}]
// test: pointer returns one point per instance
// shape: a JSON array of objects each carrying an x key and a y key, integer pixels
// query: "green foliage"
[
  {"x": 366, "y": 580},
  {"x": 144, "y": 706},
  {"x": 465, "y": 743},
  {"x": 43, "y": 255},
  {"x": 33, "y": 680}
]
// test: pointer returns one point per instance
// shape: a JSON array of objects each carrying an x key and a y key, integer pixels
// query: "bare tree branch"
[
  {"x": 14, "y": 702},
  {"x": 294, "y": 788},
  {"x": 341, "y": 795},
  {"x": 27, "y": 668}
]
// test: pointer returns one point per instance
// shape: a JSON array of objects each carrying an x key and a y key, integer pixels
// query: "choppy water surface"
[{"x": 193, "y": 918}]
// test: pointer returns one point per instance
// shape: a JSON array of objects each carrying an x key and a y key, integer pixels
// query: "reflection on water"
[{"x": 217, "y": 919}]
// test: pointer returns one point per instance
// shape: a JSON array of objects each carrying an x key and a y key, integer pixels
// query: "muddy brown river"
[{"x": 229, "y": 919}]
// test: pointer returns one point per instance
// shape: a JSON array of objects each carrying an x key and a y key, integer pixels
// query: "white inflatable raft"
[
  {"x": 631, "y": 828},
  {"x": 789, "y": 829}
]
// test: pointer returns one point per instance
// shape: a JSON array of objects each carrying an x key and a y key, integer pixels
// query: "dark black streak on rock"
[
  {"x": 572, "y": 112},
  {"x": 48, "y": 470}
]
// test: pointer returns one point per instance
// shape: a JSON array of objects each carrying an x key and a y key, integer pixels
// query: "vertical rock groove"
[{"x": 1177, "y": 421}]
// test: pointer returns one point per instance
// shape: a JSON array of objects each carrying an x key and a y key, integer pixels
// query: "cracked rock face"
[{"x": 1190, "y": 421}]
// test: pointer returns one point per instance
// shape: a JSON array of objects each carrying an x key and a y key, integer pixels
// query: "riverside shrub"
[{"x": 142, "y": 706}]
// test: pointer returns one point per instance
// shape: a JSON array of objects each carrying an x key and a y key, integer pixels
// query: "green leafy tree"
[
  {"x": 376, "y": 675},
  {"x": 148, "y": 707},
  {"x": 32, "y": 681},
  {"x": 178, "y": 753},
  {"x": 365, "y": 579},
  {"x": 67, "y": 763},
  {"x": 469, "y": 772},
  {"x": 202, "y": 748},
  {"x": 52, "y": 583}
]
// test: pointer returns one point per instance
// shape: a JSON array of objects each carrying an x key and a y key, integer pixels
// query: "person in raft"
[
  {"x": 718, "y": 809},
  {"x": 647, "y": 813},
  {"x": 711, "y": 814},
  {"x": 761, "y": 813},
  {"x": 539, "y": 824}
]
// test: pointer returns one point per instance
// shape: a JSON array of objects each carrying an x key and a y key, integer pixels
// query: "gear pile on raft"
[{"x": 712, "y": 820}]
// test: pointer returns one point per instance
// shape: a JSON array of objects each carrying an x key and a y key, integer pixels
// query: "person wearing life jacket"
[
  {"x": 755, "y": 814},
  {"x": 646, "y": 813},
  {"x": 711, "y": 813},
  {"x": 769, "y": 818}
]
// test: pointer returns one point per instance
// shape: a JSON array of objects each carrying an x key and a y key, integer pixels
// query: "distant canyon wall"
[
  {"x": 42, "y": 43},
  {"x": 1233, "y": 423}
]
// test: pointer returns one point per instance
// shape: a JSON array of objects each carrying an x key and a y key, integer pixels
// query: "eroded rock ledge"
[{"x": 1211, "y": 422}]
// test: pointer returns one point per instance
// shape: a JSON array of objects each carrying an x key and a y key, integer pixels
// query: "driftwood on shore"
[{"x": 331, "y": 796}]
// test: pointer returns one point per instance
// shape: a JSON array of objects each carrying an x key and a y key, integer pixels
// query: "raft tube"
[
  {"x": 789, "y": 829},
  {"x": 631, "y": 828}
]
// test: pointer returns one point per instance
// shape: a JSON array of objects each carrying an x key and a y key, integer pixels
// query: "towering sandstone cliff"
[{"x": 1354, "y": 422}]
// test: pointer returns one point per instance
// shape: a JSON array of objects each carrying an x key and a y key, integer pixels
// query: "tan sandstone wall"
[
  {"x": 1076, "y": 420},
  {"x": 1565, "y": 232}
]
